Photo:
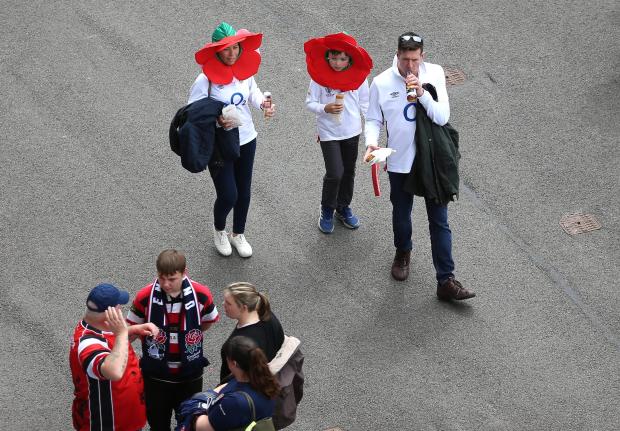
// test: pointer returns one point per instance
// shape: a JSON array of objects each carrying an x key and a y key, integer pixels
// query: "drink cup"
[
  {"x": 411, "y": 93},
  {"x": 339, "y": 101},
  {"x": 266, "y": 102}
]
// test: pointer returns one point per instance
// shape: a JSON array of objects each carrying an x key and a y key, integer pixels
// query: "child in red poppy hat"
[
  {"x": 338, "y": 95},
  {"x": 229, "y": 64}
]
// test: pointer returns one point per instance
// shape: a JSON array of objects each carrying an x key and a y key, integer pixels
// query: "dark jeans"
[
  {"x": 233, "y": 184},
  {"x": 162, "y": 397},
  {"x": 441, "y": 235},
  {"x": 338, "y": 182}
]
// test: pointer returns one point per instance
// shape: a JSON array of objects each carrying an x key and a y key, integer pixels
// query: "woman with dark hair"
[
  {"x": 252, "y": 311},
  {"x": 248, "y": 397}
]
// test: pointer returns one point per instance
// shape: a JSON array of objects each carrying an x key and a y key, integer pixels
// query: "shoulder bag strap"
[{"x": 251, "y": 403}]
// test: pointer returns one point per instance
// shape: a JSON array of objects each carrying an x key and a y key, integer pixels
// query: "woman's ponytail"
[
  {"x": 251, "y": 359},
  {"x": 245, "y": 293},
  {"x": 264, "y": 308},
  {"x": 260, "y": 375}
]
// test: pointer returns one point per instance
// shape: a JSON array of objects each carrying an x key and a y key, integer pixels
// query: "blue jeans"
[
  {"x": 441, "y": 235},
  {"x": 233, "y": 186}
]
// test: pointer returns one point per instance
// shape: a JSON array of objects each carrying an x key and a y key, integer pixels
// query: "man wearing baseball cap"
[{"x": 108, "y": 384}]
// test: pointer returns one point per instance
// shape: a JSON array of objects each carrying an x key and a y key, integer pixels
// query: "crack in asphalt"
[{"x": 558, "y": 279}]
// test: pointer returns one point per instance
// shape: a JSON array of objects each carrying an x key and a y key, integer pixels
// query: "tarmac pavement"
[{"x": 92, "y": 193}]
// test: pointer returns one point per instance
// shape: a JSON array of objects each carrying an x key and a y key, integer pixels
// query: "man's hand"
[
  {"x": 115, "y": 321},
  {"x": 333, "y": 108},
  {"x": 114, "y": 364},
  {"x": 369, "y": 149},
  {"x": 412, "y": 80}
]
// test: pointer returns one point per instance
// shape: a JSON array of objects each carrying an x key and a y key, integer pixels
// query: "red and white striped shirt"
[
  {"x": 140, "y": 310},
  {"x": 100, "y": 404}
]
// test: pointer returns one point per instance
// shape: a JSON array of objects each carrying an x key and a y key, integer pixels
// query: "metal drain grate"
[
  {"x": 579, "y": 223},
  {"x": 453, "y": 75}
]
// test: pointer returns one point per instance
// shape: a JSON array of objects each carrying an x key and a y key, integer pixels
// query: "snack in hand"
[
  {"x": 230, "y": 112},
  {"x": 379, "y": 155}
]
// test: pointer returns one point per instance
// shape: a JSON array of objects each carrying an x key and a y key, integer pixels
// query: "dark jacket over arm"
[
  {"x": 435, "y": 173},
  {"x": 196, "y": 139}
]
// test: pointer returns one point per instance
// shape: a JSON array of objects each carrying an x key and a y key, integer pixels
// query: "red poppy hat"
[
  {"x": 322, "y": 73},
  {"x": 246, "y": 65}
]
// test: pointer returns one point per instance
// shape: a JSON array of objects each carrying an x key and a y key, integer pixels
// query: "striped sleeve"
[
  {"x": 92, "y": 350},
  {"x": 137, "y": 312},
  {"x": 208, "y": 310},
  {"x": 210, "y": 314}
]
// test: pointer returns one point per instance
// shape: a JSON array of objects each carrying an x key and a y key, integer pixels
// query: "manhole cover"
[
  {"x": 579, "y": 223},
  {"x": 453, "y": 75}
]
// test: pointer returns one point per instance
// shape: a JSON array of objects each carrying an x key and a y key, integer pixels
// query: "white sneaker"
[
  {"x": 220, "y": 239},
  {"x": 241, "y": 244}
]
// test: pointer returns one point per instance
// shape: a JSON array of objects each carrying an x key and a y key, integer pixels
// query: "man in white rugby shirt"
[{"x": 388, "y": 105}]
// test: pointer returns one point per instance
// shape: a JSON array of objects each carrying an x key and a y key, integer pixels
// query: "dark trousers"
[
  {"x": 441, "y": 235},
  {"x": 162, "y": 398},
  {"x": 233, "y": 184},
  {"x": 340, "y": 158}
]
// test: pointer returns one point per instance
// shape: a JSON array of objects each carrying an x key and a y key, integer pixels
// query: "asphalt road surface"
[{"x": 91, "y": 192}]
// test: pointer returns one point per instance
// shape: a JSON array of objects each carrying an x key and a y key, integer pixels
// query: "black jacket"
[
  {"x": 435, "y": 171},
  {"x": 194, "y": 136}
]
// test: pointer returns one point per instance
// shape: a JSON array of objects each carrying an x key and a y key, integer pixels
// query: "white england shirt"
[
  {"x": 388, "y": 105},
  {"x": 328, "y": 127},
  {"x": 238, "y": 93}
]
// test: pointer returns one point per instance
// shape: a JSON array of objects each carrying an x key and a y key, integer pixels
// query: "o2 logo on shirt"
[
  {"x": 409, "y": 116},
  {"x": 237, "y": 99}
]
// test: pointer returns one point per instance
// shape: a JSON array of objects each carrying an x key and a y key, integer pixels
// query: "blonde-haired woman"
[{"x": 252, "y": 311}]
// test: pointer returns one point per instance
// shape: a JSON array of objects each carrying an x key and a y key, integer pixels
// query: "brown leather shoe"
[
  {"x": 400, "y": 266},
  {"x": 453, "y": 289}
]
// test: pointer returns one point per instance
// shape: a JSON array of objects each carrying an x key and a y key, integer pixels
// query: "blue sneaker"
[
  {"x": 326, "y": 220},
  {"x": 346, "y": 216}
]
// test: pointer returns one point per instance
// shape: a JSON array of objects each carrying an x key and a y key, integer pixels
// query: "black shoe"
[
  {"x": 400, "y": 266},
  {"x": 453, "y": 289}
]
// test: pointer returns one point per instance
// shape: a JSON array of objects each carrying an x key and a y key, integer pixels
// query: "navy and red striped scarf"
[{"x": 156, "y": 351}]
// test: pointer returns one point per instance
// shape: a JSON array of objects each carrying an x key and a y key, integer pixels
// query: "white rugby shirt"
[
  {"x": 388, "y": 104},
  {"x": 237, "y": 93},
  {"x": 327, "y": 125}
]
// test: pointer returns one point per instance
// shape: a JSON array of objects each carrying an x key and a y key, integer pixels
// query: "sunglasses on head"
[{"x": 409, "y": 37}]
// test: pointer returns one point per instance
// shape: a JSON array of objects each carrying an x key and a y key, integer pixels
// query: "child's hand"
[{"x": 333, "y": 108}]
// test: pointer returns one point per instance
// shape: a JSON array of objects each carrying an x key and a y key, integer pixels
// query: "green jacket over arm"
[{"x": 435, "y": 171}]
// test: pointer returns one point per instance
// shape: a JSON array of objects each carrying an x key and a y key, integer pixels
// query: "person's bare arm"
[
  {"x": 113, "y": 366},
  {"x": 142, "y": 330},
  {"x": 203, "y": 424}
]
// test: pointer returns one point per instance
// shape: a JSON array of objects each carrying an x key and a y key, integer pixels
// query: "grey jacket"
[{"x": 287, "y": 366}]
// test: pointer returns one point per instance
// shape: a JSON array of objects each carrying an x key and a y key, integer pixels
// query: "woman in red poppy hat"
[
  {"x": 338, "y": 95},
  {"x": 229, "y": 64}
]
